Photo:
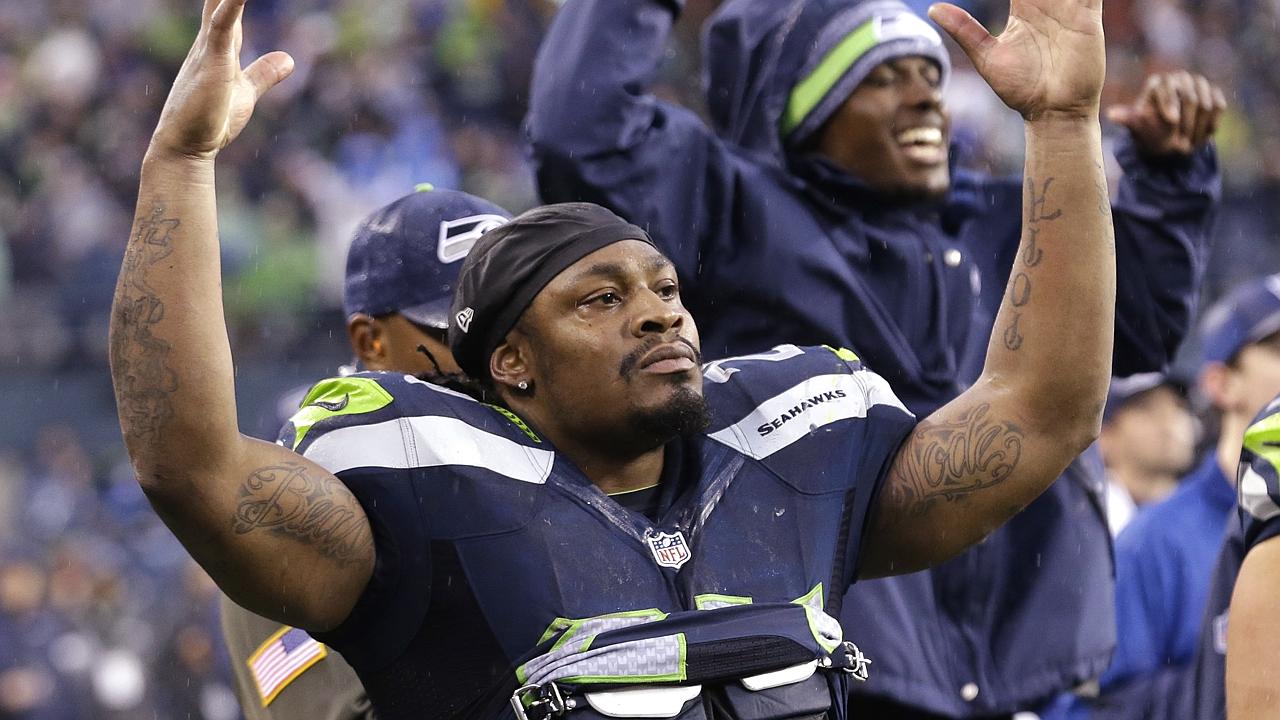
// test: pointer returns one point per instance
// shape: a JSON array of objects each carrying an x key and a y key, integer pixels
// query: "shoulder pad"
[
  {"x": 1259, "y": 474},
  {"x": 332, "y": 397},
  {"x": 783, "y": 360},
  {"x": 763, "y": 403}
]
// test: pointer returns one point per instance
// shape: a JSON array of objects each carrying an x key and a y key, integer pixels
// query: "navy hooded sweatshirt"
[{"x": 774, "y": 247}]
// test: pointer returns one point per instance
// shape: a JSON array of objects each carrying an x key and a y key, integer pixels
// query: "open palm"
[
  {"x": 1049, "y": 59},
  {"x": 213, "y": 98}
]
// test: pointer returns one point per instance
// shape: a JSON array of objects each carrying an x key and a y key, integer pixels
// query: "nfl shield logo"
[{"x": 669, "y": 549}]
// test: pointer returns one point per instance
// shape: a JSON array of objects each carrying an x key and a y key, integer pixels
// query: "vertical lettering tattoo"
[
  {"x": 1020, "y": 290},
  {"x": 139, "y": 359},
  {"x": 949, "y": 459},
  {"x": 1012, "y": 336},
  {"x": 288, "y": 501},
  {"x": 1037, "y": 212},
  {"x": 1031, "y": 253}
]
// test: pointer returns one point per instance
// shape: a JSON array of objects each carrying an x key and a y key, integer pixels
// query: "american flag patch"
[{"x": 284, "y": 656}]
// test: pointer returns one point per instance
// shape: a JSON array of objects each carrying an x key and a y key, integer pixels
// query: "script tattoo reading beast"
[{"x": 289, "y": 500}]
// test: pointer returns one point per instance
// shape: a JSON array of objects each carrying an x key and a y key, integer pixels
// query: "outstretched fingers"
[
  {"x": 207, "y": 11},
  {"x": 968, "y": 33},
  {"x": 224, "y": 25},
  {"x": 267, "y": 71}
]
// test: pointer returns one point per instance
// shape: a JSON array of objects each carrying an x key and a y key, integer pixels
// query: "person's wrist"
[
  {"x": 1067, "y": 124},
  {"x": 1064, "y": 117},
  {"x": 161, "y": 150}
]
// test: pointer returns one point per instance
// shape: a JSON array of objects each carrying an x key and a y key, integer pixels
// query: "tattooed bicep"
[
  {"x": 946, "y": 459},
  {"x": 300, "y": 502}
]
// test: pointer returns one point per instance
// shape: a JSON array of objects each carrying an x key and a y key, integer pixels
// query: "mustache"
[{"x": 628, "y": 364}]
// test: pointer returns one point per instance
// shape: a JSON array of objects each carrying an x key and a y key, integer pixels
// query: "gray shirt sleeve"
[{"x": 326, "y": 690}]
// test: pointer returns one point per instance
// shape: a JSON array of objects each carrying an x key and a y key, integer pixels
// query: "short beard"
[{"x": 684, "y": 413}]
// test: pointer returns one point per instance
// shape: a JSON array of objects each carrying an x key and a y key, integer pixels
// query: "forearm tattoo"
[
  {"x": 289, "y": 500},
  {"x": 949, "y": 459},
  {"x": 1038, "y": 214},
  {"x": 144, "y": 382}
]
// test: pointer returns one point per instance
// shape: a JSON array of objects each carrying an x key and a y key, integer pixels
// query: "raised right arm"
[
  {"x": 978, "y": 460},
  {"x": 598, "y": 133},
  {"x": 279, "y": 534}
]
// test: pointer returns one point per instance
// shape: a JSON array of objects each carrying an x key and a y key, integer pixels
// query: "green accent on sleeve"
[
  {"x": 843, "y": 353},
  {"x": 1263, "y": 439},
  {"x": 715, "y": 600},
  {"x": 338, "y": 396},
  {"x": 807, "y": 93},
  {"x": 424, "y": 187}
]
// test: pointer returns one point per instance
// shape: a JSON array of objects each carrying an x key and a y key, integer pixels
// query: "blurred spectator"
[
  {"x": 1165, "y": 557},
  {"x": 1147, "y": 442}
]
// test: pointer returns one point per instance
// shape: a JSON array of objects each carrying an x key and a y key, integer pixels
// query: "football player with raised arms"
[{"x": 461, "y": 550}]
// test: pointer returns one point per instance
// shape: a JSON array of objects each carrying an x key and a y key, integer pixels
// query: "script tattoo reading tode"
[
  {"x": 950, "y": 459},
  {"x": 139, "y": 359},
  {"x": 321, "y": 512}
]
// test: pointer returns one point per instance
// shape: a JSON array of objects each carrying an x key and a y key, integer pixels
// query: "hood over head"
[{"x": 776, "y": 70}]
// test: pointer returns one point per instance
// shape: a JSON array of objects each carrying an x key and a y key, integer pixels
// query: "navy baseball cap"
[
  {"x": 1124, "y": 389},
  {"x": 1249, "y": 314},
  {"x": 405, "y": 256}
]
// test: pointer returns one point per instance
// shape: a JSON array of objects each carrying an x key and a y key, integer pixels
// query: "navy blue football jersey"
[
  {"x": 488, "y": 539},
  {"x": 1258, "y": 488}
]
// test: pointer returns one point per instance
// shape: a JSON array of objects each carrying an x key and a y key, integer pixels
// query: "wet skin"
[
  {"x": 610, "y": 352},
  {"x": 892, "y": 131}
]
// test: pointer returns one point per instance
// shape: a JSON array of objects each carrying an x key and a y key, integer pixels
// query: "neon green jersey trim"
[
  {"x": 807, "y": 93},
  {"x": 701, "y": 602},
  {"x": 517, "y": 421},
  {"x": 571, "y": 628},
  {"x": 1263, "y": 439},
  {"x": 338, "y": 396},
  {"x": 843, "y": 353},
  {"x": 813, "y": 598},
  {"x": 813, "y": 602},
  {"x": 811, "y": 615}
]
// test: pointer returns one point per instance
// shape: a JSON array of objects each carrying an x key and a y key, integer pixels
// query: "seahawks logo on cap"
[
  {"x": 464, "y": 318},
  {"x": 457, "y": 236}
]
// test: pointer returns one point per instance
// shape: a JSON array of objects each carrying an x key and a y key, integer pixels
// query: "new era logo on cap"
[
  {"x": 457, "y": 236},
  {"x": 464, "y": 318}
]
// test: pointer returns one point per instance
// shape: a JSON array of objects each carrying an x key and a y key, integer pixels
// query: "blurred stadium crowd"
[{"x": 99, "y": 606}]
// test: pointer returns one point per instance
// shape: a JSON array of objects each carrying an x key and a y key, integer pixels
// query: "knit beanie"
[{"x": 849, "y": 47}]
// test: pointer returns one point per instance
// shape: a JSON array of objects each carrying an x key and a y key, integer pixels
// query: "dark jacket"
[{"x": 778, "y": 247}]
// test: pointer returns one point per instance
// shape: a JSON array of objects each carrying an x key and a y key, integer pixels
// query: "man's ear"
[
  {"x": 365, "y": 334},
  {"x": 510, "y": 365},
  {"x": 1218, "y": 383}
]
